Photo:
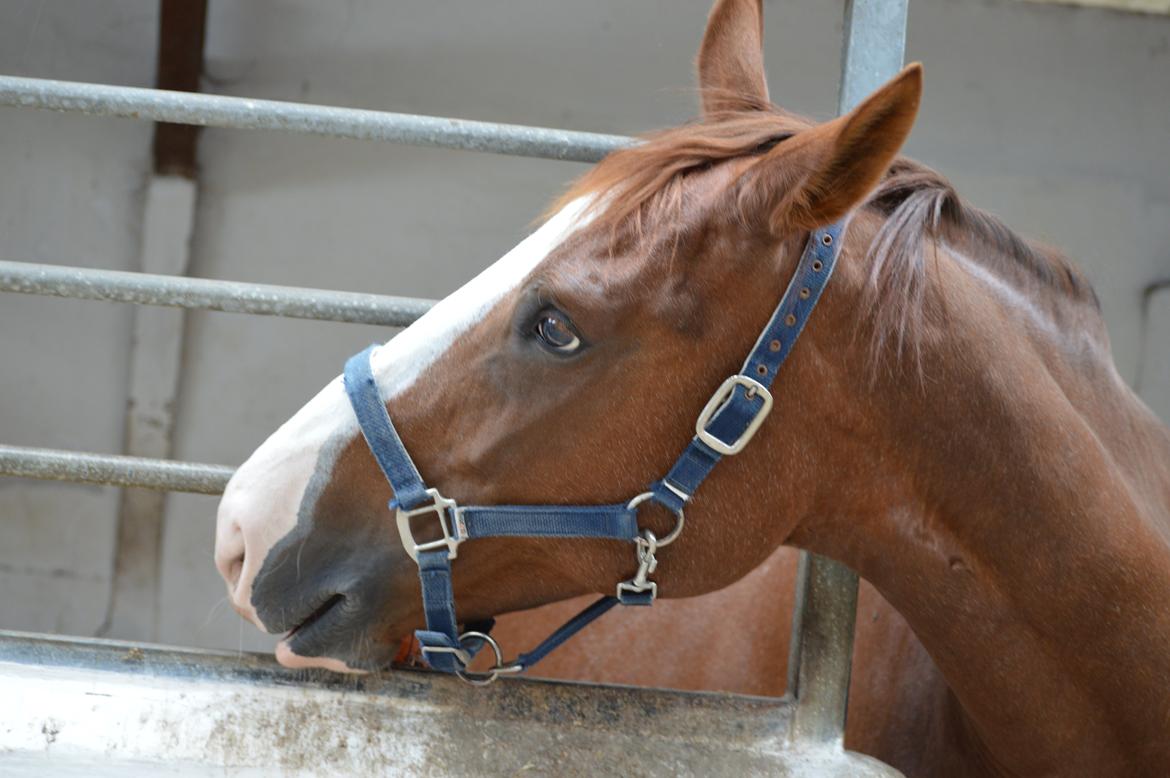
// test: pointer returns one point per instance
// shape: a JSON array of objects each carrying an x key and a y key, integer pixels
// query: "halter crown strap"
[
  {"x": 727, "y": 423},
  {"x": 744, "y": 399}
]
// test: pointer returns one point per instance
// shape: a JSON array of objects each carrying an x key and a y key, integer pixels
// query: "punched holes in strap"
[{"x": 775, "y": 343}]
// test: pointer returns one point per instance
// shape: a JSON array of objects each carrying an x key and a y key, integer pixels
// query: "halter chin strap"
[{"x": 725, "y": 426}]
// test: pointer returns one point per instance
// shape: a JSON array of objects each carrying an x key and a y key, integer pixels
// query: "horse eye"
[{"x": 555, "y": 331}]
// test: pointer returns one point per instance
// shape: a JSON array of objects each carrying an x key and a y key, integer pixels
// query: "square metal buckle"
[
  {"x": 719, "y": 399},
  {"x": 450, "y": 522}
]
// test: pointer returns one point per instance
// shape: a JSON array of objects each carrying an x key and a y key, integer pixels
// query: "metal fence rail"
[
  {"x": 247, "y": 114},
  {"x": 167, "y": 475},
  {"x": 229, "y": 296}
]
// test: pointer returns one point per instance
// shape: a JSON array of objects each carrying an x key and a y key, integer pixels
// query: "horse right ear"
[
  {"x": 820, "y": 174},
  {"x": 731, "y": 58}
]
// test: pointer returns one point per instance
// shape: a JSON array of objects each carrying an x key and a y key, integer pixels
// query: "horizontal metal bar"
[
  {"x": 230, "y": 296},
  {"x": 56, "y": 465},
  {"x": 248, "y": 114},
  {"x": 86, "y": 707}
]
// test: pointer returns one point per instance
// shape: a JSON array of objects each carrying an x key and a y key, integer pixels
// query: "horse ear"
[
  {"x": 731, "y": 58},
  {"x": 819, "y": 175}
]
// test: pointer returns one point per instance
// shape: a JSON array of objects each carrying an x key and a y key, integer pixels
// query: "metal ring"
[
  {"x": 484, "y": 678},
  {"x": 671, "y": 536},
  {"x": 481, "y": 679}
]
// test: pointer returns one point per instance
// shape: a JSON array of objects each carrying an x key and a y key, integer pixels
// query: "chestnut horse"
[{"x": 950, "y": 425}]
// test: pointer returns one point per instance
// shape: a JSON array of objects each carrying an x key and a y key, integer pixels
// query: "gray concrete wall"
[
  {"x": 71, "y": 193},
  {"x": 1057, "y": 119}
]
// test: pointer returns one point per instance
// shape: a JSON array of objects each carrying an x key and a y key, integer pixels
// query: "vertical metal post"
[
  {"x": 157, "y": 335},
  {"x": 821, "y": 652},
  {"x": 155, "y": 368},
  {"x": 874, "y": 48}
]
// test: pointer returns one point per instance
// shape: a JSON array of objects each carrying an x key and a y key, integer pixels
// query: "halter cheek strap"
[{"x": 725, "y": 426}]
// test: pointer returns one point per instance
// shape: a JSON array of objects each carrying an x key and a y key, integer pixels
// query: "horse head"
[{"x": 572, "y": 370}]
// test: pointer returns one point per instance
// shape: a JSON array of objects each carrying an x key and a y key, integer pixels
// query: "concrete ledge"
[{"x": 104, "y": 707}]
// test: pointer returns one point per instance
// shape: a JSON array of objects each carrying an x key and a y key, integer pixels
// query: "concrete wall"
[
  {"x": 1055, "y": 118},
  {"x": 71, "y": 193}
]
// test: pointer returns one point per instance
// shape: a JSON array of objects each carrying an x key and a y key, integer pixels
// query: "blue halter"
[{"x": 729, "y": 420}]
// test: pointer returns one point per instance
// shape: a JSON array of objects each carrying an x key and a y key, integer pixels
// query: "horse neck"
[{"x": 1028, "y": 544}]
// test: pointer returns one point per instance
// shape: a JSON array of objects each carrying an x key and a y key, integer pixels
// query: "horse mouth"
[{"x": 303, "y": 631}]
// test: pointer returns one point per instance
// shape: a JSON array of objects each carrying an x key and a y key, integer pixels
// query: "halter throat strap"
[{"x": 726, "y": 425}]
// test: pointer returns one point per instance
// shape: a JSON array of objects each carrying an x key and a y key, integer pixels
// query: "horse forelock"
[
  {"x": 637, "y": 194},
  {"x": 635, "y": 186}
]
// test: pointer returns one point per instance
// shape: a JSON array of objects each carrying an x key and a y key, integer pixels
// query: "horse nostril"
[
  {"x": 234, "y": 569},
  {"x": 230, "y": 553},
  {"x": 231, "y": 568}
]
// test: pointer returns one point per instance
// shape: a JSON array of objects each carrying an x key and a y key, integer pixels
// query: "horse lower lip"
[{"x": 316, "y": 616}]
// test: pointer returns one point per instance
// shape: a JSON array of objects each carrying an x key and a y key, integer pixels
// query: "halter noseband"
[{"x": 729, "y": 420}]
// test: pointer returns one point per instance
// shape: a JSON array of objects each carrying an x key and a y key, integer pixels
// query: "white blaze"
[
  {"x": 402, "y": 360},
  {"x": 261, "y": 502}
]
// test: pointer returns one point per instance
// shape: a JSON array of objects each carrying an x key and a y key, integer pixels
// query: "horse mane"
[
  {"x": 920, "y": 208},
  {"x": 643, "y": 183}
]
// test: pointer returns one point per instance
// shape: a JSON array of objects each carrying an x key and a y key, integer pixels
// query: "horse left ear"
[
  {"x": 731, "y": 58},
  {"x": 819, "y": 175}
]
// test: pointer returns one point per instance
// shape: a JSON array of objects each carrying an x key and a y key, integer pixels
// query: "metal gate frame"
[{"x": 808, "y": 720}]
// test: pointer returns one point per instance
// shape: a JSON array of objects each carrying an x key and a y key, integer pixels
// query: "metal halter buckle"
[
  {"x": 719, "y": 399},
  {"x": 450, "y": 522}
]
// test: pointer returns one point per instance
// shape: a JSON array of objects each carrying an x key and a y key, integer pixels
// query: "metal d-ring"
[
  {"x": 491, "y": 674},
  {"x": 671, "y": 536}
]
